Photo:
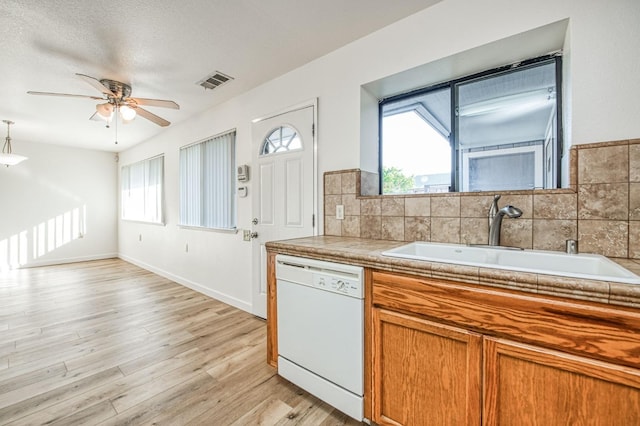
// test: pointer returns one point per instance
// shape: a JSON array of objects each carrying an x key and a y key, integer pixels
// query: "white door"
[{"x": 284, "y": 200}]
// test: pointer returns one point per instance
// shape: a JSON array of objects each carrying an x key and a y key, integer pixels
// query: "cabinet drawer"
[{"x": 583, "y": 328}]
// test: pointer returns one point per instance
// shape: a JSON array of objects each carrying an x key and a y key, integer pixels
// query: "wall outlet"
[{"x": 340, "y": 212}]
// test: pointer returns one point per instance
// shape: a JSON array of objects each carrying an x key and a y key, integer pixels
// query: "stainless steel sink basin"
[{"x": 588, "y": 266}]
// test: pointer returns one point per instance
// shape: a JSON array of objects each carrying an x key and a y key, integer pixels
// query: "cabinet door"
[
  {"x": 527, "y": 385},
  {"x": 424, "y": 373}
]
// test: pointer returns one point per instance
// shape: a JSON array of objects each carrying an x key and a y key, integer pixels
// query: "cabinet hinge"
[
  {"x": 313, "y": 220},
  {"x": 313, "y": 129}
]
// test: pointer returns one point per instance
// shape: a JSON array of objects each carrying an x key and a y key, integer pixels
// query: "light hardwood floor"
[{"x": 106, "y": 342}]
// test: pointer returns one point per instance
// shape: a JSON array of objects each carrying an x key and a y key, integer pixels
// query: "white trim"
[
  {"x": 205, "y": 228},
  {"x": 302, "y": 105},
  {"x": 54, "y": 262},
  {"x": 208, "y": 138},
  {"x": 229, "y": 300}
]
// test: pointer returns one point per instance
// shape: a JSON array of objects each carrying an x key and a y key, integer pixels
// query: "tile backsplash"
[{"x": 601, "y": 208}]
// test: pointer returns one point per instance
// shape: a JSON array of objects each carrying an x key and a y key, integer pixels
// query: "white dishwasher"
[{"x": 320, "y": 330}]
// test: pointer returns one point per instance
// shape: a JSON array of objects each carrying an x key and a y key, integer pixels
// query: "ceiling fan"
[{"x": 118, "y": 100}]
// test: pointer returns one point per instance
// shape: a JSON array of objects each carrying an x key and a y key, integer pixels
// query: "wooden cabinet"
[
  {"x": 424, "y": 372},
  {"x": 451, "y": 353},
  {"x": 531, "y": 385}
]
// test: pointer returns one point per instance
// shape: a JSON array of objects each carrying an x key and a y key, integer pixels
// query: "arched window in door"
[{"x": 281, "y": 139}]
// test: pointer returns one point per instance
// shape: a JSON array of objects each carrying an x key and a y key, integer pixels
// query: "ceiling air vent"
[{"x": 215, "y": 80}]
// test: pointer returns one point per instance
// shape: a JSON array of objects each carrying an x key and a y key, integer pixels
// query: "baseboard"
[
  {"x": 53, "y": 262},
  {"x": 240, "y": 304}
]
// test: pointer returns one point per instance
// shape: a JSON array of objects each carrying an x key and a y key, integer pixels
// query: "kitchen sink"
[{"x": 588, "y": 266}]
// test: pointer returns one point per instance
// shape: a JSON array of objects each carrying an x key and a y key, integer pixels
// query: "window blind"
[
  {"x": 142, "y": 190},
  {"x": 207, "y": 183}
]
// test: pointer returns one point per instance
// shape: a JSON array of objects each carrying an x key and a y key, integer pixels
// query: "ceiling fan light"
[
  {"x": 127, "y": 113},
  {"x": 11, "y": 159},
  {"x": 8, "y": 158},
  {"x": 105, "y": 111}
]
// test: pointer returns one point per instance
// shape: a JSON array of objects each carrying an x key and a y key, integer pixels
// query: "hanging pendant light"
[{"x": 7, "y": 157}]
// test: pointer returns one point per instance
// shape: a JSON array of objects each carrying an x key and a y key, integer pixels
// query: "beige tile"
[
  {"x": 634, "y": 239},
  {"x": 475, "y": 205},
  {"x": 332, "y": 226},
  {"x": 450, "y": 271},
  {"x": 595, "y": 291},
  {"x": 417, "y": 228},
  {"x": 608, "y": 164},
  {"x": 370, "y": 206},
  {"x": 634, "y": 201},
  {"x": 522, "y": 201},
  {"x": 517, "y": 233},
  {"x": 573, "y": 167},
  {"x": 351, "y": 226},
  {"x": 624, "y": 294},
  {"x": 332, "y": 183},
  {"x": 509, "y": 279},
  {"x": 630, "y": 264},
  {"x": 330, "y": 203},
  {"x": 474, "y": 230},
  {"x": 417, "y": 206},
  {"x": 445, "y": 229},
  {"x": 392, "y": 206},
  {"x": 605, "y": 237},
  {"x": 371, "y": 227},
  {"x": 349, "y": 182},
  {"x": 555, "y": 206},
  {"x": 603, "y": 201},
  {"x": 445, "y": 205},
  {"x": 634, "y": 163},
  {"x": 351, "y": 205},
  {"x": 369, "y": 183},
  {"x": 551, "y": 234},
  {"x": 393, "y": 228}
]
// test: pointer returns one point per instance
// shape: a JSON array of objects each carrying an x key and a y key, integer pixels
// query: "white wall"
[
  {"x": 604, "y": 88},
  {"x": 57, "y": 206}
]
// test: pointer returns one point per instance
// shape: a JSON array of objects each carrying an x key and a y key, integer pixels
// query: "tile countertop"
[{"x": 367, "y": 253}]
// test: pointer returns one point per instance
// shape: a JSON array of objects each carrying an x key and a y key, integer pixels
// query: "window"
[
  {"x": 142, "y": 190},
  {"x": 497, "y": 130},
  {"x": 207, "y": 183},
  {"x": 282, "y": 139}
]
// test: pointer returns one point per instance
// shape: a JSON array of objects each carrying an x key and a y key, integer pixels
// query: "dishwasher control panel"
[
  {"x": 338, "y": 278},
  {"x": 337, "y": 284}
]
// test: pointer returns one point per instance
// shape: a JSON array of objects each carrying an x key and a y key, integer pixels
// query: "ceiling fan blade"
[
  {"x": 96, "y": 84},
  {"x": 154, "y": 102},
  {"x": 152, "y": 117},
  {"x": 68, "y": 95}
]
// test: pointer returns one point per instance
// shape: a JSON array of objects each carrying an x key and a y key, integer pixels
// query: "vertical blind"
[
  {"x": 142, "y": 190},
  {"x": 207, "y": 183}
]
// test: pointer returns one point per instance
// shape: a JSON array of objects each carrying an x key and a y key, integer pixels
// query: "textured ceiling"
[{"x": 162, "y": 48}]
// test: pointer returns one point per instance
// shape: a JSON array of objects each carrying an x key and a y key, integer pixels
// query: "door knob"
[
  {"x": 254, "y": 234},
  {"x": 255, "y": 221}
]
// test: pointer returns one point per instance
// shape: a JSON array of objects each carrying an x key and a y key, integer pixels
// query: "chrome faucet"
[{"x": 495, "y": 219}]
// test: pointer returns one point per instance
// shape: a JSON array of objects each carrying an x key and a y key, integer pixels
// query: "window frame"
[
  {"x": 145, "y": 214},
  {"x": 453, "y": 87}
]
